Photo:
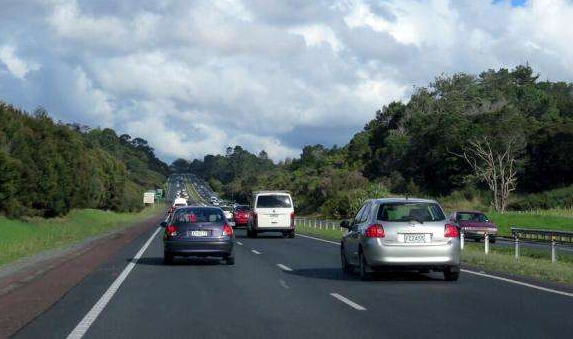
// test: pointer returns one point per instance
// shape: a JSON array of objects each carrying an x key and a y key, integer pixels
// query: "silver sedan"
[{"x": 401, "y": 233}]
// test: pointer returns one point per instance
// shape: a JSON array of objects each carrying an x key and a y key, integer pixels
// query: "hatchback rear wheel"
[
  {"x": 363, "y": 268},
  {"x": 346, "y": 268},
  {"x": 167, "y": 258},
  {"x": 451, "y": 273},
  {"x": 230, "y": 260}
]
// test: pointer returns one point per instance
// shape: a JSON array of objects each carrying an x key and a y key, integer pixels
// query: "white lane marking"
[
  {"x": 328, "y": 241},
  {"x": 80, "y": 330},
  {"x": 567, "y": 294},
  {"x": 284, "y": 284},
  {"x": 284, "y": 268},
  {"x": 348, "y": 302},
  {"x": 255, "y": 251},
  {"x": 239, "y": 243},
  {"x": 545, "y": 289}
]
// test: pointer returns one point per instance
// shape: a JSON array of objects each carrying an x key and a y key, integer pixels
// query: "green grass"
[
  {"x": 533, "y": 263},
  {"x": 20, "y": 238},
  {"x": 529, "y": 220}
]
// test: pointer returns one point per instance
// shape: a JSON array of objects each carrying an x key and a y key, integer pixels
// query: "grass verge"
[
  {"x": 532, "y": 263},
  {"x": 20, "y": 238},
  {"x": 506, "y": 220}
]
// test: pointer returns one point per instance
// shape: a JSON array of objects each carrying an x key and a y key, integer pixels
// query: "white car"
[
  {"x": 273, "y": 211},
  {"x": 179, "y": 202}
]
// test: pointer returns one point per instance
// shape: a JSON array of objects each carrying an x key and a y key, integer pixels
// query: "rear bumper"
[
  {"x": 199, "y": 248},
  {"x": 273, "y": 229},
  {"x": 439, "y": 255}
]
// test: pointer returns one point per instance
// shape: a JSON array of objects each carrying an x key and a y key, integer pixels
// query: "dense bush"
[
  {"x": 46, "y": 169},
  {"x": 557, "y": 198}
]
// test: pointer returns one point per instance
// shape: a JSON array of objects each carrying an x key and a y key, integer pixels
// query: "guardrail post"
[
  {"x": 516, "y": 247},
  {"x": 462, "y": 240},
  {"x": 315, "y": 223},
  {"x": 486, "y": 241},
  {"x": 553, "y": 251}
]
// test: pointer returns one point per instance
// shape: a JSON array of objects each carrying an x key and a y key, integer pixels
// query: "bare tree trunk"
[{"x": 496, "y": 168}]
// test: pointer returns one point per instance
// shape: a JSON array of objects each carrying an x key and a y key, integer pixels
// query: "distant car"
[
  {"x": 180, "y": 202},
  {"x": 227, "y": 210},
  {"x": 401, "y": 233},
  {"x": 241, "y": 214},
  {"x": 199, "y": 232},
  {"x": 273, "y": 211},
  {"x": 474, "y": 224}
]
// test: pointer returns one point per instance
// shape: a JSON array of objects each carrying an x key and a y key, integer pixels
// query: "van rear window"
[{"x": 274, "y": 201}]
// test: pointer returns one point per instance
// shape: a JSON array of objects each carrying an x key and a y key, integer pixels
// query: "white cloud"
[
  {"x": 17, "y": 66},
  {"x": 194, "y": 77}
]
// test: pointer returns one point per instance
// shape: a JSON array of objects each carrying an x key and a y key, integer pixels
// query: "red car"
[
  {"x": 241, "y": 214},
  {"x": 474, "y": 225}
]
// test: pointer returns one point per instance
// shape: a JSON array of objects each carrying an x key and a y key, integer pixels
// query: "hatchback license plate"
[
  {"x": 197, "y": 233},
  {"x": 414, "y": 238}
]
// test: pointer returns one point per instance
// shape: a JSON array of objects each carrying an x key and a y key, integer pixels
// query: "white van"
[
  {"x": 272, "y": 211},
  {"x": 179, "y": 202}
]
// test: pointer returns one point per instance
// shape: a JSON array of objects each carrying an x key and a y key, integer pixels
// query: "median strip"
[{"x": 348, "y": 302}]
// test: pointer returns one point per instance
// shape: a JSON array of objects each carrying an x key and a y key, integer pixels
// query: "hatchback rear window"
[
  {"x": 475, "y": 217},
  {"x": 273, "y": 201},
  {"x": 242, "y": 208},
  {"x": 197, "y": 215},
  {"x": 406, "y": 211}
]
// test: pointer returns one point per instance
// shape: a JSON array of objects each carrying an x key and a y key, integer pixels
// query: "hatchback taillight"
[
  {"x": 227, "y": 230},
  {"x": 375, "y": 231},
  {"x": 451, "y": 231},
  {"x": 171, "y": 230}
]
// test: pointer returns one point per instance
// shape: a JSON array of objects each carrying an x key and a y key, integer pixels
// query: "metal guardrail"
[
  {"x": 542, "y": 235},
  {"x": 317, "y": 223}
]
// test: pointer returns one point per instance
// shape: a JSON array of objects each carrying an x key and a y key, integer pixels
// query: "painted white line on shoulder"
[
  {"x": 348, "y": 302},
  {"x": 485, "y": 275},
  {"x": 255, "y": 251},
  {"x": 239, "y": 243},
  {"x": 545, "y": 289},
  {"x": 284, "y": 268},
  {"x": 328, "y": 241},
  {"x": 83, "y": 326},
  {"x": 284, "y": 284}
]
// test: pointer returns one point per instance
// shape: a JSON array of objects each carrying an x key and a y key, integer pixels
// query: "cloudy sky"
[{"x": 193, "y": 77}]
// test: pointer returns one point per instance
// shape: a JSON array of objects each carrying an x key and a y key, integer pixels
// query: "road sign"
[{"x": 149, "y": 198}]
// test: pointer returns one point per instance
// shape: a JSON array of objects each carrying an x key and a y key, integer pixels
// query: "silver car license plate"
[
  {"x": 197, "y": 233},
  {"x": 415, "y": 238}
]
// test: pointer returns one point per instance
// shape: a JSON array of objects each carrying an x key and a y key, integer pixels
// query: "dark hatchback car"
[{"x": 198, "y": 232}]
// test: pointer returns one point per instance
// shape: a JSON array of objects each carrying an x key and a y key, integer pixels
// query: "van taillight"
[
  {"x": 171, "y": 230},
  {"x": 451, "y": 231},
  {"x": 375, "y": 231},
  {"x": 227, "y": 230},
  {"x": 291, "y": 219}
]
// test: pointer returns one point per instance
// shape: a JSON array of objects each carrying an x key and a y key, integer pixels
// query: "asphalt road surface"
[{"x": 287, "y": 288}]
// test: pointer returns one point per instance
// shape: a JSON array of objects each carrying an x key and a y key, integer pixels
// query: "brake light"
[
  {"x": 171, "y": 230},
  {"x": 227, "y": 230},
  {"x": 291, "y": 219},
  {"x": 451, "y": 231},
  {"x": 375, "y": 231}
]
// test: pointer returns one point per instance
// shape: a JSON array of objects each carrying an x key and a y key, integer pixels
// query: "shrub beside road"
[{"x": 20, "y": 238}]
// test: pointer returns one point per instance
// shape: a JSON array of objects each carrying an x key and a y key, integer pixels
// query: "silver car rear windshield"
[
  {"x": 410, "y": 211},
  {"x": 274, "y": 201},
  {"x": 198, "y": 215}
]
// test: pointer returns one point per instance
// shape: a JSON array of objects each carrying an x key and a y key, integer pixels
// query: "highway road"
[
  {"x": 291, "y": 288},
  {"x": 287, "y": 288}
]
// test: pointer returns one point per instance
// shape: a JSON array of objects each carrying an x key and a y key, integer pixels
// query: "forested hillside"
[
  {"x": 430, "y": 146},
  {"x": 46, "y": 169}
]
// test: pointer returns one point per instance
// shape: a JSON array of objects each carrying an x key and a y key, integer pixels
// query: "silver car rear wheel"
[
  {"x": 346, "y": 268},
  {"x": 363, "y": 268}
]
